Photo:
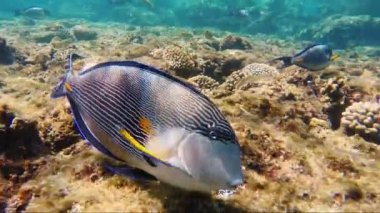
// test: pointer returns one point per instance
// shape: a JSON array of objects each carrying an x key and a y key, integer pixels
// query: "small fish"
[
  {"x": 122, "y": 2},
  {"x": 239, "y": 13},
  {"x": 314, "y": 57},
  {"x": 153, "y": 122},
  {"x": 33, "y": 12}
]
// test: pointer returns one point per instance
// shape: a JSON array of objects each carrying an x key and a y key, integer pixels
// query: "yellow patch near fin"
[
  {"x": 135, "y": 143},
  {"x": 68, "y": 87},
  {"x": 334, "y": 57}
]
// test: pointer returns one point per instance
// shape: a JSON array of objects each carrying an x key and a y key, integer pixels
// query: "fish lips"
[{"x": 211, "y": 161}]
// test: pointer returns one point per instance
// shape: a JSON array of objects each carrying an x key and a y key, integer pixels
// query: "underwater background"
[{"x": 309, "y": 139}]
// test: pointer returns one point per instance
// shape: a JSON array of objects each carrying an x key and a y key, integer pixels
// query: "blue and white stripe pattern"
[{"x": 118, "y": 94}]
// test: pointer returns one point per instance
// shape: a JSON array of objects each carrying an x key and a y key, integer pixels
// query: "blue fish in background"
[
  {"x": 314, "y": 57},
  {"x": 33, "y": 12},
  {"x": 154, "y": 122}
]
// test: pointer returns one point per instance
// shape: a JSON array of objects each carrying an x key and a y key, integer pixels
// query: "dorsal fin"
[{"x": 306, "y": 49}]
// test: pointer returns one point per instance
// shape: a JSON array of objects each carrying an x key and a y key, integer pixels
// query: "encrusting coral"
[{"x": 363, "y": 118}]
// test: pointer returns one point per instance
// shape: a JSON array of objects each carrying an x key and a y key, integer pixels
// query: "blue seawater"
[{"x": 284, "y": 18}]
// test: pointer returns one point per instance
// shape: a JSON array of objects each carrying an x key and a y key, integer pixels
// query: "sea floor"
[{"x": 296, "y": 153}]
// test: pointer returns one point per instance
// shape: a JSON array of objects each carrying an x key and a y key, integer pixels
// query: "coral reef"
[
  {"x": 204, "y": 82},
  {"x": 363, "y": 118},
  {"x": 83, "y": 33},
  {"x": 252, "y": 70},
  {"x": 56, "y": 128},
  {"x": 218, "y": 66},
  {"x": 19, "y": 137},
  {"x": 234, "y": 42},
  {"x": 180, "y": 61},
  {"x": 257, "y": 69},
  {"x": 335, "y": 95}
]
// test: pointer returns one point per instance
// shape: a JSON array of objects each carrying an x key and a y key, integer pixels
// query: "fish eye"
[{"x": 212, "y": 135}]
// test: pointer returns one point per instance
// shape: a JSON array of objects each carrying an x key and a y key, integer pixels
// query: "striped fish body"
[{"x": 154, "y": 122}]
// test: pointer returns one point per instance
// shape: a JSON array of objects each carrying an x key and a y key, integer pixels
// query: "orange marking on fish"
[
  {"x": 68, "y": 87},
  {"x": 145, "y": 125}
]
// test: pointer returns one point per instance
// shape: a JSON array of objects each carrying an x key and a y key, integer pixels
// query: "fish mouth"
[
  {"x": 334, "y": 57},
  {"x": 212, "y": 162}
]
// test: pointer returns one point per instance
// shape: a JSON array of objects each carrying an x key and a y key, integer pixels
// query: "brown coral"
[
  {"x": 204, "y": 83},
  {"x": 335, "y": 98},
  {"x": 234, "y": 42},
  {"x": 18, "y": 137},
  {"x": 180, "y": 61},
  {"x": 56, "y": 128}
]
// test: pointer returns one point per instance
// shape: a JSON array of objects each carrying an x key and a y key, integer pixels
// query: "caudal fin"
[
  {"x": 287, "y": 60},
  {"x": 60, "y": 90}
]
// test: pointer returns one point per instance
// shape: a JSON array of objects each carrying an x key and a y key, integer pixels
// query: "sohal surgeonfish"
[
  {"x": 314, "y": 58},
  {"x": 154, "y": 122}
]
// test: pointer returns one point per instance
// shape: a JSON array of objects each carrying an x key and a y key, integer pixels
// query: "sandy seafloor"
[{"x": 292, "y": 158}]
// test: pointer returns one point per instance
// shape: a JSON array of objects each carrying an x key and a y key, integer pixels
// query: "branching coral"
[
  {"x": 180, "y": 61},
  {"x": 363, "y": 118},
  {"x": 204, "y": 82}
]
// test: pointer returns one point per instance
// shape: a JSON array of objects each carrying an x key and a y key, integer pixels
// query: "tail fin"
[
  {"x": 286, "y": 59},
  {"x": 59, "y": 90}
]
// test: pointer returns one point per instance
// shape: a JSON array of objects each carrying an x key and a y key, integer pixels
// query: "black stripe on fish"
[
  {"x": 202, "y": 98},
  {"x": 85, "y": 132},
  {"x": 128, "y": 116},
  {"x": 202, "y": 110},
  {"x": 192, "y": 116},
  {"x": 101, "y": 119},
  {"x": 197, "y": 116},
  {"x": 144, "y": 67}
]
